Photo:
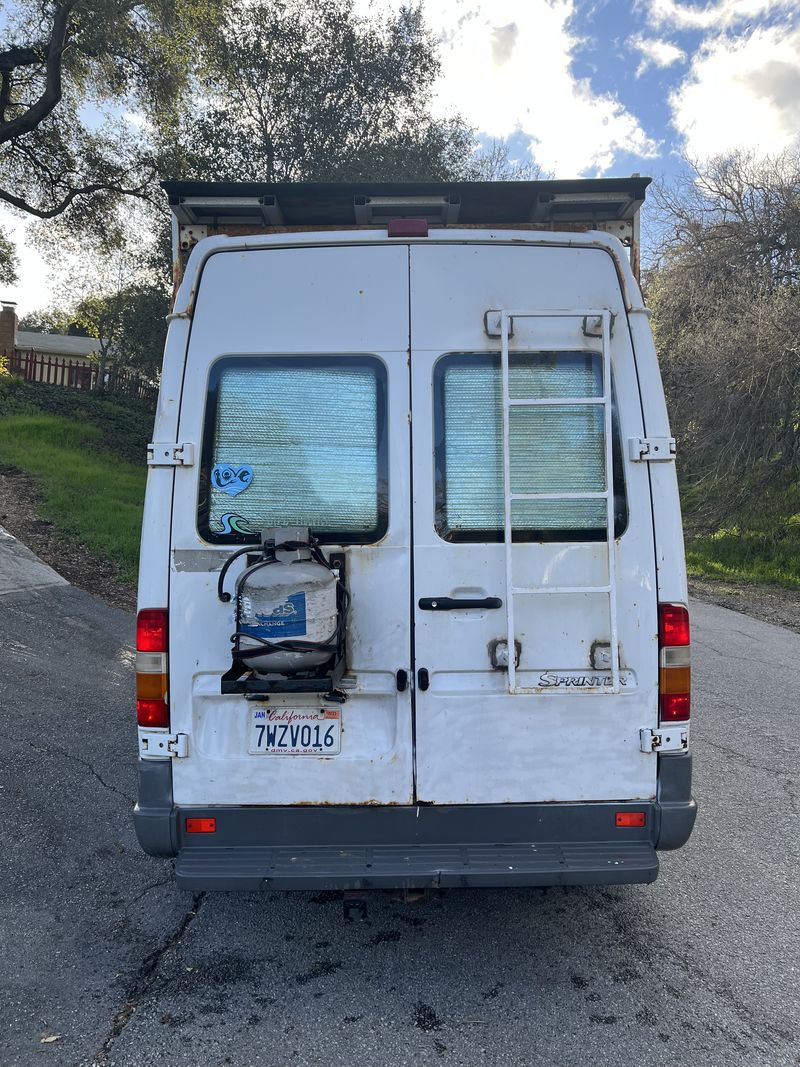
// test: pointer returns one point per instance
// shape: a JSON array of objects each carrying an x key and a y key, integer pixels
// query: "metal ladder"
[{"x": 604, "y": 317}]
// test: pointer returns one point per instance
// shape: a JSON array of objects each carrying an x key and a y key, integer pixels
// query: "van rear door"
[
  {"x": 296, "y": 391},
  {"x": 569, "y": 736}
]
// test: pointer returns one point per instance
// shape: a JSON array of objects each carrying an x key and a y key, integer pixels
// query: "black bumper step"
[{"x": 417, "y": 866}]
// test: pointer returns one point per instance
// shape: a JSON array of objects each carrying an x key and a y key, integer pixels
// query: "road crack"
[
  {"x": 144, "y": 980},
  {"x": 89, "y": 768},
  {"x": 148, "y": 889}
]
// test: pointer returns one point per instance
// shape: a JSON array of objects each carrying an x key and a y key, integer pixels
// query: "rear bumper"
[
  {"x": 368, "y": 847},
  {"x": 415, "y": 866}
]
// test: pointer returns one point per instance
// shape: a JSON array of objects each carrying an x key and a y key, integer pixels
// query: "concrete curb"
[{"x": 20, "y": 569}]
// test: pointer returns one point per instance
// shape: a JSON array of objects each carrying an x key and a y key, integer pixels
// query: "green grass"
[
  {"x": 749, "y": 556},
  {"x": 90, "y": 494},
  {"x": 125, "y": 426}
]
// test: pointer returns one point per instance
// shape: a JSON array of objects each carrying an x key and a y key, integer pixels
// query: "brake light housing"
[
  {"x": 152, "y": 626},
  {"x": 674, "y": 663}
]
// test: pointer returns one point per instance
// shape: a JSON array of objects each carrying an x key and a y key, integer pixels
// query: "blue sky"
[
  {"x": 599, "y": 87},
  {"x": 607, "y": 87}
]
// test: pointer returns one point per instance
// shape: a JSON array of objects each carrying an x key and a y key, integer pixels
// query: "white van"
[{"x": 412, "y": 591}]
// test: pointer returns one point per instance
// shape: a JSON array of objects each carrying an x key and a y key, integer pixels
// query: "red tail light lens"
[
  {"x": 152, "y": 713},
  {"x": 675, "y": 707},
  {"x": 675, "y": 672},
  {"x": 151, "y": 667},
  {"x": 673, "y": 625},
  {"x": 151, "y": 630}
]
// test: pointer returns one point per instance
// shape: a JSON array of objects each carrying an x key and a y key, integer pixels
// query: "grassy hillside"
[
  {"x": 752, "y": 545},
  {"x": 88, "y": 461},
  {"x": 123, "y": 428}
]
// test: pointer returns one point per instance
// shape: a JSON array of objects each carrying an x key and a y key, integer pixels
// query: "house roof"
[{"x": 57, "y": 344}]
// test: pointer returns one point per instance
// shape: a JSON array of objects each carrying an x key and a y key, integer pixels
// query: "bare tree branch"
[
  {"x": 142, "y": 192},
  {"x": 51, "y": 94}
]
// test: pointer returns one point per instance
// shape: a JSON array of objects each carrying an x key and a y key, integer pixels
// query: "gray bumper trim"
[
  {"x": 154, "y": 817},
  {"x": 253, "y": 845},
  {"x": 416, "y": 866},
  {"x": 426, "y": 846},
  {"x": 677, "y": 807}
]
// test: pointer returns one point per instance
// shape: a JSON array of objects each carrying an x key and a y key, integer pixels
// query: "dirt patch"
[
  {"x": 769, "y": 603},
  {"x": 20, "y": 513}
]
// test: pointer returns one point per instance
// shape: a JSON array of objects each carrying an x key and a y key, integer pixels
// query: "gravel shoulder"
[{"x": 768, "y": 603}]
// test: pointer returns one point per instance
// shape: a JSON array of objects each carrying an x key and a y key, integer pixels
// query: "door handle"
[
  {"x": 401, "y": 678},
  {"x": 448, "y": 603},
  {"x": 423, "y": 679}
]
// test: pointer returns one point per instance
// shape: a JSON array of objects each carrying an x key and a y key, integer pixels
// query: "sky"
[{"x": 594, "y": 88}]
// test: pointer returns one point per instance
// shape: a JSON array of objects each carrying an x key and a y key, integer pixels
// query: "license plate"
[{"x": 295, "y": 732}]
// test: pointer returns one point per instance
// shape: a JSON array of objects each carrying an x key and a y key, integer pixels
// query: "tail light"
[
  {"x": 151, "y": 667},
  {"x": 675, "y": 672}
]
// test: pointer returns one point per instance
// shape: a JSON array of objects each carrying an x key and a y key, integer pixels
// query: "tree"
[
  {"x": 130, "y": 325},
  {"x": 53, "y": 320},
  {"x": 293, "y": 90},
  {"x": 726, "y": 298},
  {"x": 69, "y": 69}
]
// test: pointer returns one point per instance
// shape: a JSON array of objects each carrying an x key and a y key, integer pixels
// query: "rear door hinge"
[
  {"x": 651, "y": 449},
  {"x": 154, "y": 743},
  {"x": 668, "y": 739},
  {"x": 162, "y": 454}
]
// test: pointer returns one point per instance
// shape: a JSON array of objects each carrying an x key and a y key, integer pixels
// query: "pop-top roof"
[{"x": 589, "y": 200}]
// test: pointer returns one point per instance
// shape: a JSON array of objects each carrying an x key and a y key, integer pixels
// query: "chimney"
[{"x": 8, "y": 327}]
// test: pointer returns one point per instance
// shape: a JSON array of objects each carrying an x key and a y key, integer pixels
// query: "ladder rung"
[
  {"x": 561, "y": 589},
  {"x": 561, "y": 401},
  {"x": 559, "y": 496}
]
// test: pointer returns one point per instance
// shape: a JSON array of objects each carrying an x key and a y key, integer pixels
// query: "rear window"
[
  {"x": 295, "y": 441},
  {"x": 553, "y": 449}
]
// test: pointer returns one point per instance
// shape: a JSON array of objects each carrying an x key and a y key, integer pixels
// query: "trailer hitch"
[{"x": 354, "y": 904}]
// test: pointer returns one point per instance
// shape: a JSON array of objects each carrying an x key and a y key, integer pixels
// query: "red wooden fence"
[{"x": 78, "y": 374}]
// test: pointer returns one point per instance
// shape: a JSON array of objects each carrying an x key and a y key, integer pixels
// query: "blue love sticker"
[{"x": 231, "y": 478}]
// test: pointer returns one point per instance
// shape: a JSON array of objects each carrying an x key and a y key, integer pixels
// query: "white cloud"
[
  {"x": 720, "y": 15},
  {"x": 655, "y": 53},
  {"x": 506, "y": 67},
  {"x": 741, "y": 92}
]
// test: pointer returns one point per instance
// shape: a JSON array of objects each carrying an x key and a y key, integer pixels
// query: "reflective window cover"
[
  {"x": 559, "y": 448},
  {"x": 295, "y": 441}
]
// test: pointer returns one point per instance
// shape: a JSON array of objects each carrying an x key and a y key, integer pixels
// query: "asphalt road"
[{"x": 104, "y": 962}]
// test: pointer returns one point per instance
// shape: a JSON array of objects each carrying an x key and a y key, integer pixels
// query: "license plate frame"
[{"x": 295, "y": 732}]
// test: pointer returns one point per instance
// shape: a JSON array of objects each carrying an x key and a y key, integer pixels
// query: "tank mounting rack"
[{"x": 244, "y": 682}]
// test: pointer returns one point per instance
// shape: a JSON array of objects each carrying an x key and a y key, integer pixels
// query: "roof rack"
[{"x": 202, "y": 209}]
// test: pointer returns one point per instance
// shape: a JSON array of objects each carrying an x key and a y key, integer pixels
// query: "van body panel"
[
  {"x": 667, "y": 526},
  {"x": 449, "y": 767},
  {"x": 251, "y": 303},
  {"x": 476, "y": 743},
  {"x": 153, "y": 586}
]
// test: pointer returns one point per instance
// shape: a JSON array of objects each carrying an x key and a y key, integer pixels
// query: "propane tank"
[{"x": 287, "y": 600}]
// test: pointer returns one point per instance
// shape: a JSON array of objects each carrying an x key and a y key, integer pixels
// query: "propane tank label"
[{"x": 287, "y": 619}]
